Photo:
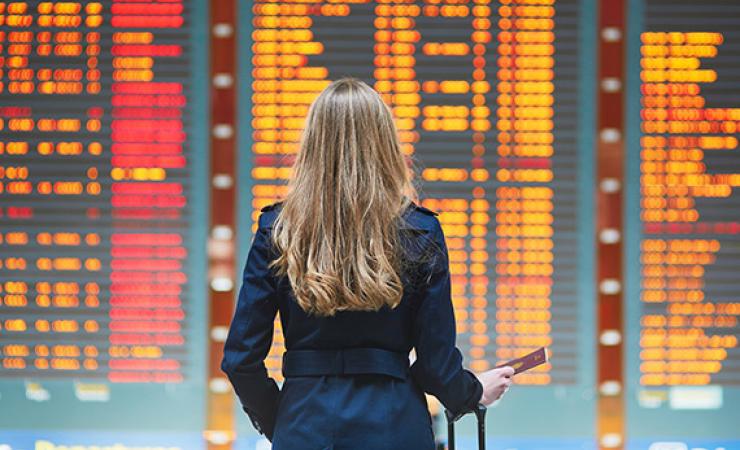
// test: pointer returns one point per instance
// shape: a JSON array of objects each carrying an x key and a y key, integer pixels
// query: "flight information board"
[
  {"x": 101, "y": 215},
  {"x": 683, "y": 170},
  {"x": 488, "y": 98}
]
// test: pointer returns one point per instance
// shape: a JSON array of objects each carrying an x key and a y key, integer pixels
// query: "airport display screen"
[
  {"x": 102, "y": 184},
  {"x": 683, "y": 240}
]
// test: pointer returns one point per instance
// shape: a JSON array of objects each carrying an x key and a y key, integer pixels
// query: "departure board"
[
  {"x": 684, "y": 163},
  {"x": 101, "y": 216},
  {"x": 488, "y": 98}
]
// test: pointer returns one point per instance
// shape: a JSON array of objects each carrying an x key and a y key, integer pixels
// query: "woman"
[{"x": 360, "y": 276}]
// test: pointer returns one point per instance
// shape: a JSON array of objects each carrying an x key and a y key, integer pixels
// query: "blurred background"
[{"x": 583, "y": 156}]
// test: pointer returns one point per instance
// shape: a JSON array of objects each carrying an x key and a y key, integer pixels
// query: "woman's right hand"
[{"x": 495, "y": 383}]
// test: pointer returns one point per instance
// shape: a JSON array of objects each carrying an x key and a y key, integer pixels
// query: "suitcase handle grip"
[{"x": 480, "y": 414}]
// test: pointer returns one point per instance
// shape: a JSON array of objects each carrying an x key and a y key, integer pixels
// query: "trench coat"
[{"x": 348, "y": 381}]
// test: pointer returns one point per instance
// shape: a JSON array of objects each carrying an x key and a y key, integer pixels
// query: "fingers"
[
  {"x": 507, "y": 384},
  {"x": 504, "y": 390},
  {"x": 507, "y": 371},
  {"x": 501, "y": 393},
  {"x": 505, "y": 387},
  {"x": 495, "y": 383}
]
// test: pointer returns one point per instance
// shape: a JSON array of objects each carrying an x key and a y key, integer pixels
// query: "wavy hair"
[{"x": 337, "y": 231}]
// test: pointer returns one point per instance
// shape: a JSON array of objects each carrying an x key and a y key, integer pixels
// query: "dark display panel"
[
  {"x": 101, "y": 215},
  {"x": 683, "y": 170}
]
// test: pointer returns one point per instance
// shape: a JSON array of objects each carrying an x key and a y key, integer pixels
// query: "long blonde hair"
[{"x": 336, "y": 233}]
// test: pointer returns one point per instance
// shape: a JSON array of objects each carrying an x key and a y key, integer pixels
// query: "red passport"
[{"x": 526, "y": 362}]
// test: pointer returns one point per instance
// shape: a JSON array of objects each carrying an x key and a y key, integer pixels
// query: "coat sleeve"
[
  {"x": 250, "y": 338},
  {"x": 438, "y": 367}
]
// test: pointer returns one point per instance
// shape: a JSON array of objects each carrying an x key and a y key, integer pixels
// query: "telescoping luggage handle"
[{"x": 480, "y": 414}]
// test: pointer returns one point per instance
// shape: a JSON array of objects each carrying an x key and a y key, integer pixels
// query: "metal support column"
[
  {"x": 610, "y": 155},
  {"x": 222, "y": 280}
]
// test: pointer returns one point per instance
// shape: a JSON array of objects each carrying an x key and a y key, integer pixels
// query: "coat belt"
[{"x": 353, "y": 361}]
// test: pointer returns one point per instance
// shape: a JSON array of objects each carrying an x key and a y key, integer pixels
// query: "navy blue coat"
[{"x": 348, "y": 383}]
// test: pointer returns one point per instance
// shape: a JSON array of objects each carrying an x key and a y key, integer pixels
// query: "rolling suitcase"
[{"x": 480, "y": 414}]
